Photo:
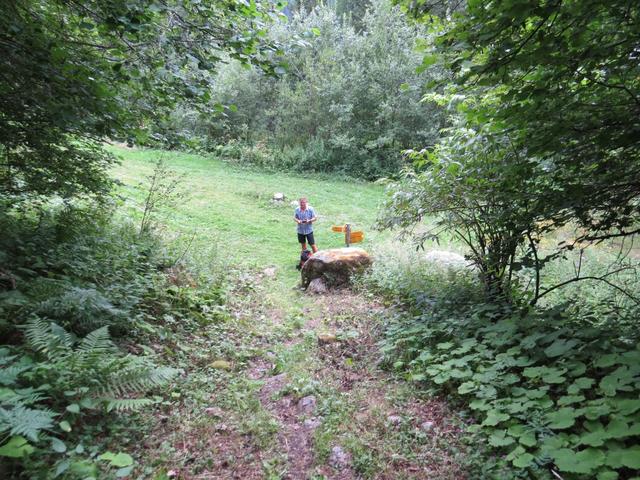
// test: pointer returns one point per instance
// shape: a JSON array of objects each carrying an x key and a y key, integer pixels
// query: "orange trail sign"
[
  {"x": 349, "y": 236},
  {"x": 356, "y": 237}
]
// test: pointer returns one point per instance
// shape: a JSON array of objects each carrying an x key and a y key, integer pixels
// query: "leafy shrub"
[
  {"x": 545, "y": 388},
  {"x": 74, "y": 265}
]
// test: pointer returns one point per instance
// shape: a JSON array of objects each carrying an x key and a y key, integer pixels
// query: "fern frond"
[
  {"x": 136, "y": 375},
  {"x": 127, "y": 404},
  {"x": 5, "y": 356},
  {"x": 48, "y": 338},
  {"x": 97, "y": 342},
  {"x": 9, "y": 375},
  {"x": 25, "y": 421},
  {"x": 24, "y": 396}
]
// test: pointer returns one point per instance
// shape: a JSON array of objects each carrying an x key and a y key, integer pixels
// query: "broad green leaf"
[
  {"x": 480, "y": 404},
  {"x": 58, "y": 445},
  {"x": 65, "y": 426},
  {"x": 500, "y": 439},
  {"x": 625, "y": 406},
  {"x": 617, "y": 428},
  {"x": 494, "y": 417},
  {"x": 585, "y": 461},
  {"x": 570, "y": 399},
  {"x": 559, "y": 347},
  {"x": 607, "y": 360},
  {"x": 117, "y": 459},
  {"x": 537, "y": 393},
  {"x": 125, "y": 471},
  {"x": 593, "y": 412},
  {"x": 62, "y": 467},
  {"x": 466, "y": 387},
  {"x": 561, "y": 419},
  {"x": 624, "y": 457},
  {"x": 523, "y": 461},
  {"x": 516, "y": 430},
  {"x": 16, "y": 447},
  {"x": 528, "y": 439},
  {"x": 580, "y": 384},
  {"x": 607, "y": 475},
  {"x": 595, "y": 438}
]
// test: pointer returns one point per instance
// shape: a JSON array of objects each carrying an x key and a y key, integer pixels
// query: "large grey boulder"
[
  {"x": 336, "y": 266},
  {"x": 446, "y": 259}
]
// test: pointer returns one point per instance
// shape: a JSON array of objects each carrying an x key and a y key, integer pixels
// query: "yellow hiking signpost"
[{"x": 349, "y": 236}]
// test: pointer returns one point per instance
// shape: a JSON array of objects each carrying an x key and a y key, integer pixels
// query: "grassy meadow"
[{"x": 231, "y": 208}]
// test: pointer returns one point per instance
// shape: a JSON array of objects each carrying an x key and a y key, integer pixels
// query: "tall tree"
[
  {"x": 73, "y": 73},
  {"x": 563, "y": 79}
]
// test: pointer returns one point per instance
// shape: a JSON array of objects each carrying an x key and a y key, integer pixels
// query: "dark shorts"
[{"x": 308, "y": 238}]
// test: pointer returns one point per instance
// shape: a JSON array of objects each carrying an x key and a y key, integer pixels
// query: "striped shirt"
[{"x": 308, "y": 214}]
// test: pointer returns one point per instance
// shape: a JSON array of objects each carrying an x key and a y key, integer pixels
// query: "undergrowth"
[
  {"x": 553, "y": 393},
  {"x": 82, "y": 297}
]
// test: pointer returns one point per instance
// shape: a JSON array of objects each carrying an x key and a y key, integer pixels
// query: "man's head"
[{"x": 303, "y": 203}]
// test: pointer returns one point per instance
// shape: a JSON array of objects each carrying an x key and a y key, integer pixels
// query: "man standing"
[{"x": 305, "y": 217}]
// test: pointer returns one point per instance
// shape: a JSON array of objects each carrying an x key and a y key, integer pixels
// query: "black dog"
[{"x": 304, "y": 256}]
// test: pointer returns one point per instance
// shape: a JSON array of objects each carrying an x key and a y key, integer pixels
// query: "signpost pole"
[{"x": 347, "y": 234}]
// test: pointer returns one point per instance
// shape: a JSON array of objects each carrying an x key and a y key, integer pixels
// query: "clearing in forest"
[{"x": 289, "y": 385}]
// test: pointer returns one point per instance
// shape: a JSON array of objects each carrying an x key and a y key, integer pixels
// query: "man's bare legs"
[{"x": 314, "y": 248}]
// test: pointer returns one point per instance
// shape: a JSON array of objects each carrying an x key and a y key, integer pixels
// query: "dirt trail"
[
  {"x": 341, "y": 332},
  {"x": 305, "y": 399}
]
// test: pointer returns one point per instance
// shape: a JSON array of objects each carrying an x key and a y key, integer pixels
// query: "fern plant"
[
  {"x": 93, "y": 367},
  {"x": 64, "y": 376},
  {"x": 82, "y": 310}
]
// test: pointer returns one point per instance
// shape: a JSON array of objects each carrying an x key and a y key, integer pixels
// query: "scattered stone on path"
[
  {"x": 221, "y": 427},
  {"x": 214, "y": 412},
  {"x": 278, "y": 197},
  {"x": 326, "y": 338},
  {"x": 307, "y": 404},
  {"x": 270, "y": 272},
  {"x": 394, "y": 420},
  {"x": 426, "y": 426},
  {"x": 335, "y": 266},
  {"x": 339, "y": 459},
  {"x": 221, "y": 365},
  {"x": 317, "y": 287},
  {"x": 312, "y": 423}
]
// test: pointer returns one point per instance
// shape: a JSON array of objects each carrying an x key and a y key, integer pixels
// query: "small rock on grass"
[
  {"x": 426, "y": 426},
  {"x": 221, "y": 365},
  {"x": 270, "y": 272},
  {"x": 307, "y": 404},
  {"x": 339, "y": 459},
  {"x": 214, "y": 412},
  {"x": 394, "y": 419},
  {"x": 317, "y": 286},
  {"x": 327, "y": 338},
  {"x": 312, "y": 423}
]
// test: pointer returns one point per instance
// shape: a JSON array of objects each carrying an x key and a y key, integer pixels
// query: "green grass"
[{"x": 232, "y": 208}]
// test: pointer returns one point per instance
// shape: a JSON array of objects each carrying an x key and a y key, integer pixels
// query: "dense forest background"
[{"x": 347, "y": 100}]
